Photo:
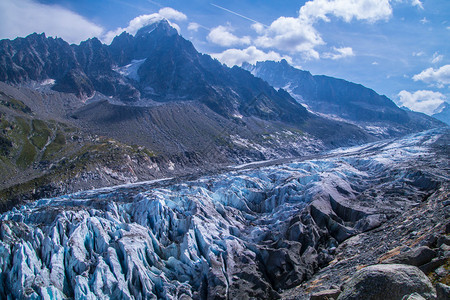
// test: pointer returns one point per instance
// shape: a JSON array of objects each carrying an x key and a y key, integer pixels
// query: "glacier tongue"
[{"x": 249, "y": 232}]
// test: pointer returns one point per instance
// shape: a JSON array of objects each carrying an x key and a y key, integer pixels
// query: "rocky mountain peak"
[{"x": 161, "y": 28}]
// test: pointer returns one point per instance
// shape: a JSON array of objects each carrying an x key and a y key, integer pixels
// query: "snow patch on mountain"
[{"x": 131, "y": 70}]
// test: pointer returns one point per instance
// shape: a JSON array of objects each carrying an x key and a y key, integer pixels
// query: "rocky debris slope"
[
  {"x": 418, "y": 235},
  {"x": 250, "y": 232}
]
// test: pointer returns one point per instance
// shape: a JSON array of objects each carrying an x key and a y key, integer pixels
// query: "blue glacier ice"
[{"x": 254, "y": 230}]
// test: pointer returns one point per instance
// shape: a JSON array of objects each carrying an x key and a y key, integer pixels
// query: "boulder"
[
  {"x": 415, "y": 257},
  {"x": 387, "y": 282},
  {"x": 443, "y": 291},
  {"x": 326, "y": 294},
  {"x": 433, "y": 264}
]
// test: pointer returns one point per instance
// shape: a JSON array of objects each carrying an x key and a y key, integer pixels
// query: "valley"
[{"x": 144, "y": 169}]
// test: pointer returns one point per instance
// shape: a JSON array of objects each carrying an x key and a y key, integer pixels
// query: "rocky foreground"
[{"x": 276, "y": 231}]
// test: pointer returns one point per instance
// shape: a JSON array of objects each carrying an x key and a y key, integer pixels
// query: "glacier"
[{"x": 250, "y": 232}]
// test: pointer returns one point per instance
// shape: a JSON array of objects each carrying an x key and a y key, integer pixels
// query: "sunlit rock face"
[{"x": 252, "y": 231}]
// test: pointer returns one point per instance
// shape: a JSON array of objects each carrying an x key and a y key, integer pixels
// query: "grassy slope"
[{"x": 37, "y": 157}]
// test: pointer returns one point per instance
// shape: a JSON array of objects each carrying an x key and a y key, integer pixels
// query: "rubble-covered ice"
[{"x": 246, "y": 233}]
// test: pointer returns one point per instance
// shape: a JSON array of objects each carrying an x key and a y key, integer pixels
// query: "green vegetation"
[
  {"x": 56, "y": 145},
  {"x": 5, "y": 145},
  {"x": 14, "y": 104},
  {"x": 24, "y": 127},
  {"x": 41, "y": 133},
  {"x": 27, "y": 155}
]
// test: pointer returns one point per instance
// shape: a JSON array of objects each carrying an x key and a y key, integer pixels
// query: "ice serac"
[{"x": 252, "y": 231}]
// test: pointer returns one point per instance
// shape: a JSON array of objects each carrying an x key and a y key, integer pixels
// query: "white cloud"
[
  {"x": 251, "y": 55},
  {"x": 23, "y": 17},
  {"x": 193, "y": 26},
  {"x": 258, "y": 27},
  {"x": 340, "y": 53},
  {"x": 417, "y": 3},
  {"x": 439, "y": 77},
  {"x": 292, "y": 35},
  {"x": 421, "y": 101},
  {"x": 298, "y": 35},
  {"x": 221, "y": 35},
  {"x": 437, "y": 58},
  {"x": 368, "y": 10},
  {"x": 144, "y": 20},
  {"x": 375, "y": 63},
  {"x": 172, "y": 14}
]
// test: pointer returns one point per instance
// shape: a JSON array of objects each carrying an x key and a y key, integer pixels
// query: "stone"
[
  {"x": 441, "y": 271},
  {"x": 387, "y": 282},
  {"x": 414, "y": 296},
  {"x": 443, "y": 240},
  {"x": 415, "y": 257},
  {"x": 326, "y": 294},
  {"x": 433, "y": 264},
  {"x": 442, "y": 291}
]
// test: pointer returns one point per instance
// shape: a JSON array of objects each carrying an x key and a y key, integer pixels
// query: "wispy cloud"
[
  {"x": 422, "y": 101},
  {"x": 437, "y": 58},
  {"x": 23, "y": 17},
  {"x": 417, "y": 3}
]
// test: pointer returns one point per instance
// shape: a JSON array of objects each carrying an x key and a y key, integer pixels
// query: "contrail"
[
  {"x": 235, "y": 13},
  {"x": 156, "y": 3}
]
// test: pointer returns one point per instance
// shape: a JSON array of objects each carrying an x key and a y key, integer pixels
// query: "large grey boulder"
[
  {"x": 387, "y": 282},
  {"x": 443, "y": 291},
  {"x": 415, "y": 257}
]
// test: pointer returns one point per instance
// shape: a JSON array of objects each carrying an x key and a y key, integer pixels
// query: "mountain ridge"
[{"x": 336, "y": 97}]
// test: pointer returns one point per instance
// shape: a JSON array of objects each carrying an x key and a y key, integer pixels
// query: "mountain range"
[
  {"x": 144, "y": 169},
  {"x": 168, "y": 110},
  {"x": 339, "y": 99}
]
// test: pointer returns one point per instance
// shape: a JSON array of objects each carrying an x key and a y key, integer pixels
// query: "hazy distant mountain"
[
  {"x": 342, "y": 99},
  {"x": 443, "y": 113}
]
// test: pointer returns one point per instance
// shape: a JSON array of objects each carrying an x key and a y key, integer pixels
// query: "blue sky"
[{"x": 399, "y": 48}]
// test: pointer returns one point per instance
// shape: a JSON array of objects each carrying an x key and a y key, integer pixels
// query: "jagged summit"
[{"x": 160, "y": 27}]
